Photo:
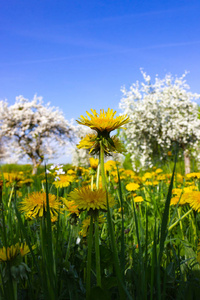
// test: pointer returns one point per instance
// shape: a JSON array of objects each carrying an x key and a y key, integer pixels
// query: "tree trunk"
[
  {"x": 186, "y": 162},
  {"x": 35, "y": 166},
  {"x": 2, "y": 149}
]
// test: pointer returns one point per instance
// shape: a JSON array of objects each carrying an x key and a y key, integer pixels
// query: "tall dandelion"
[
  {"x": 103, "y": 123},
  {"x": 100, "y": 143}
]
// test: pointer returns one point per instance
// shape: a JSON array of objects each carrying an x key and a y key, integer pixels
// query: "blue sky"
[{"x": 78, "y": 54}]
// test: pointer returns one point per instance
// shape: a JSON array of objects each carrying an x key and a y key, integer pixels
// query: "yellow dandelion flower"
[
  {"x": 177, "y": 192},
  {"x": 132, "y": 187},
  {"x": 87, "y": 199},
  {"x": 190, "y": 188},
  {"x": 161, "y": 177},
  {"x": 12, "y": 178},
  {"x": 94, "y": 163},
  {"x": 24, "y": 249},
  {"x": 179, "y": 177},
  {"x": 63, "y": 182},
  {"x": 193, "y": 198},
  {"x": 190, "y": 175},
  {"x": 113, "y": 173},
  {"x": 189, "y": 183},
  {"x": 27, "y": 181},
  {"x": 85, "y": 227},
  {"x": 71, "y": 178},
  {"x": 138, "y": 199},
  {"x": 175, "y": 200},
  {"x": 155, "y": 182},
  {"x": 116, "y": 179},
  {"x": 148, "y": 183},
  {"x": 87, "y": 142},
  {"x": 10, "y": 253},
  {"x": 147, "y": 175},
  {"x": 71, "y": 208},
  {"x": 71, "y": 172},
  {"x": 193, "y": 175},
  {"x": 158, "y": 171},
  {"x": 122, "y": 176},
  {"x": 35, "y": 205},
  {"x": 103, "y": 121},
  {"x": 92, "y": 143},
  {"x": 129, "y": 173},
  {"x": 110, "y": 165}
]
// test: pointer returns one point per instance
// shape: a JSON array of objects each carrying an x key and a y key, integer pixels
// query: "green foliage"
[
  {"x": 148, "y": 250},
  {"x": 127, "y": 164},
  {"x": 16, "y": 168},
  {"x": 27, "y": 168}
]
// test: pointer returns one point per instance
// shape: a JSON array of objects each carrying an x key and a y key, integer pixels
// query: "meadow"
[{"x": 65, "y": 239}]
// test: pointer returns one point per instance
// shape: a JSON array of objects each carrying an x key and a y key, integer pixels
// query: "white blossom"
[
  {"x": 160, "y": 113},
  {"x": 34, "y": 130}
]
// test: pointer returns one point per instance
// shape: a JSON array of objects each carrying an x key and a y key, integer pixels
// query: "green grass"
[{"x": 147, "y": 250}]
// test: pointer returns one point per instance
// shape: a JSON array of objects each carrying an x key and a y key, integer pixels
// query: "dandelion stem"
[
  {"x": 174, "y": 224},
  {"x": 111, "y": 229},
  {"x": 181, "y": 225},
  {"x": 89, "y": 260},
  {"x": 92, "y": 182},
  {"x": 14, "y": 282},
  {"x": 10, "y": 198},
  {"x": 102, "y": 165},
  {"x": 97, "y": 252}
]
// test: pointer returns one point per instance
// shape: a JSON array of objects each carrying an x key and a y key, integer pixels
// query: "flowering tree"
[
  {"x": 161, "y": 113},
  {"x": 34, "y": 130}
]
